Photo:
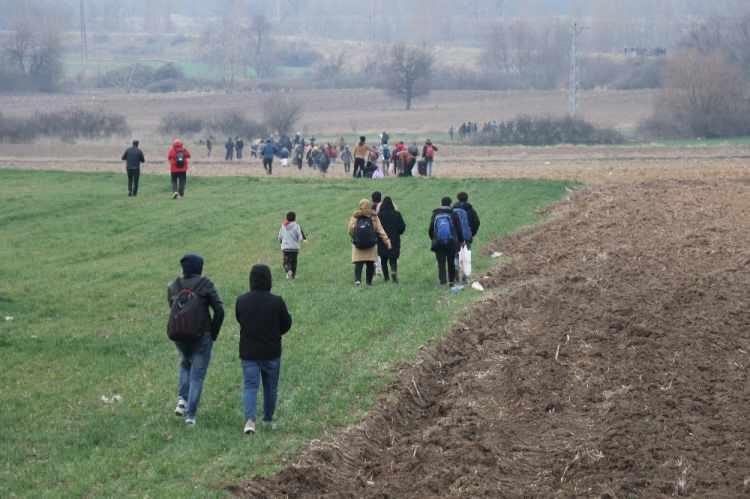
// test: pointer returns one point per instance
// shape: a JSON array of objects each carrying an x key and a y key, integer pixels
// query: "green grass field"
[{"x": 83, "y": 276}]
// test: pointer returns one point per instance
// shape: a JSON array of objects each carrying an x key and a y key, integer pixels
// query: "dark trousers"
[
  {"x": 446, "y": 257},
  {"x": 133, "y": 176},
  {"x": 370, "y": 273},
  {"x": 290, "y": 262},
  {"x": 385, "y": 261},
  {"x": 178, "y": 182},
  {"x": 230, "y": 155},
  {"x": 359, "y": 167},
  {"x": 347, "y": 166},
  {"x": 268, "y": 165}
]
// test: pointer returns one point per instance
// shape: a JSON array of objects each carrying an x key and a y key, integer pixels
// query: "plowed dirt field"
[{"x": 608, "y": 358}]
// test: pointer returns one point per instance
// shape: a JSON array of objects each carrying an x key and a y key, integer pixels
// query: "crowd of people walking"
[
  {"x": 369, "y": 160},
  {"x": 197, "y": 310}
]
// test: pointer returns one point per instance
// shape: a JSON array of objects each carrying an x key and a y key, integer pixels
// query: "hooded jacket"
[
  {"x": 268, "y": 150},
  {"x": 192, "y": 268},
  {"x": 394, "y": 226},
  {"x": 172, "y": 157},
  {"x": 447, "y": 210},
  {"x": 370, "y": 254},
  {"x": 133, "y": 158},
  {"x": 263, "y": 318},
  {"x": 291, "y": 236},
  {"x": 473, "y": 216}
]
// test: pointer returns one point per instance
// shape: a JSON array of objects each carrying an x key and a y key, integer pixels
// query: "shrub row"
[
  {"x": 70, "y": 124},
  {"x": 547, "y": 131},
  {"x": 230, "y": 123},
  {"x": 166, "y": 78}
]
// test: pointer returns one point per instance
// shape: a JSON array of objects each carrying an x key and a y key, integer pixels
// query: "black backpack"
[
  {"x": 180, "y": 159},
  {"x": 188, "y": 317},
  {"x": 364, "y": 236}
]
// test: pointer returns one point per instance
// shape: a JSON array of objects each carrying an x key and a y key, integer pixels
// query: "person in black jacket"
[
  {"x": 195, "y": 356},
  {"x": 394, "y": 226},
  {"x": 445, "y": 245},
  {"x": 133, "y": 158},
  {"x": 263, "y": 319},
  {"x": 473, "y": 216}
]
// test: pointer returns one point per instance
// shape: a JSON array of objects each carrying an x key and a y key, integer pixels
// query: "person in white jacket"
[{"x": 291, "y": 237}]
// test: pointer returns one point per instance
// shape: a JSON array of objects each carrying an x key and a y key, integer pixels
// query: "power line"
[{"x": 574, "y": 81}]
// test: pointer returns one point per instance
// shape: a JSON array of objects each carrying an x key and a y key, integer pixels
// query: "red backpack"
[{"x": 429, "y": 151}]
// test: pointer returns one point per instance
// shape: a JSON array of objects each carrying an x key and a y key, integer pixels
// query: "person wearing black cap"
[
  {"x": 133, "y": 158},
  {"x": 195, "y": 356},
  {"x": 263, "y": 319}
]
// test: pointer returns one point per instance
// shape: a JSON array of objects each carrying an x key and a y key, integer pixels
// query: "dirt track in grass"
[{"x": 609, "y": 358}]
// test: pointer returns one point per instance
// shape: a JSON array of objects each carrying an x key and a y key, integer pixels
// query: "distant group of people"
[
  {"x": 467, "y": 129},
  {"x": 197, "y": 311},
  {"x": 369, "y": 161}
]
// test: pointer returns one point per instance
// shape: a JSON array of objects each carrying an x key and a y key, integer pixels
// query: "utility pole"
[
  {"x": 84, "y": 37},
  {"x": 574, "y": 76}
]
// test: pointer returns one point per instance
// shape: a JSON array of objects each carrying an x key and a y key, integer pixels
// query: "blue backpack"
[
  {"x": 463, "y": 217},
  {"x": 445, "y": 234}
]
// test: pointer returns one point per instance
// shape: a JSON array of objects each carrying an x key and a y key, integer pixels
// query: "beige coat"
[{"x": 371, "y": 254}]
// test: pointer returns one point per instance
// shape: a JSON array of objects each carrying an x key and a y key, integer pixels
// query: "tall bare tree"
[
  {"x": 281, "y": 113},
  {"x": 408, "y": 74}
]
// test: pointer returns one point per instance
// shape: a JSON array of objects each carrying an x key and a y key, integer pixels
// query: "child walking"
[{"x": 291, "y": 237}]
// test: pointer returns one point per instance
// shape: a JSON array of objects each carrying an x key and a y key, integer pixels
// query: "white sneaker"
[
  {"x": 175, "y": 195},
  {"x": 190, "y": 421},
  {"x": 289, "y": 274},
  {"x": 249, "y": 427},
  {"x": 181, "y": 406}
]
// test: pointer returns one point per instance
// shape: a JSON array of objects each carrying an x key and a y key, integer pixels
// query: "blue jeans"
[
  {"x": 429, "y": 167},
  {"x": 255, "y": 371},
  {"x": 194, "y": 361}
]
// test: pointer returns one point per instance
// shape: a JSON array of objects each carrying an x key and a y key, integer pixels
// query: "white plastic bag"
[{"x": 464, "y": 261}]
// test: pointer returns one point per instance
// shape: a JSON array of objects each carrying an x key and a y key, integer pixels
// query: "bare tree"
[
  {"x": 408, "y": 74},
  {"x": 35, "y": 46},
  {"x": 21, "y": 43},
  {"x": 281, "y": 113},
  {"x": 259, "y": 33},
  {"x": 704, "y": 96}
]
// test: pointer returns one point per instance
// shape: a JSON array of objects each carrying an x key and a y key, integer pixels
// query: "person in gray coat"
[
  {"x": 291, "y": 237},
  {"x": 133, "y": 157}
]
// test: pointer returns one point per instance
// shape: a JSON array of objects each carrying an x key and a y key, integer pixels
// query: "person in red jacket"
[{"x": 178, "y": 165}]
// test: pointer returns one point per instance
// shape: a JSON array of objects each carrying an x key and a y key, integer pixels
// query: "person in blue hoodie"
[
  {"x": 263, "y": 319},
  {"x": 268, "y": 152}
]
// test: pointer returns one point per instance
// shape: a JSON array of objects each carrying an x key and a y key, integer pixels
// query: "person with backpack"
[
  {"x": 229, "y": 146},
  {"x": 263, "y": 318},
  {"x": 133, "y": 157},
  {"x": 324, "y": 161},
  {"x": 346, "y": 157},
  {"x": 444, "y": 232},
  {"x": 394, "y": 227},
  {"x": 469, "y": 220},
  {"x": 268, "y": 151},
  {"x": 178, "y": 157},
  {"x": 299, "y": 155},
  {"x": 291, "y": 236},
  {"x": 239, "y": 146},
  {"x": 284, "y": 156},
  {"x": 193, "y": 331},
  {"x": 386, "y": 159},
  {"x": 365, "y": 230},
  {"x": 428, "y": 155}
]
